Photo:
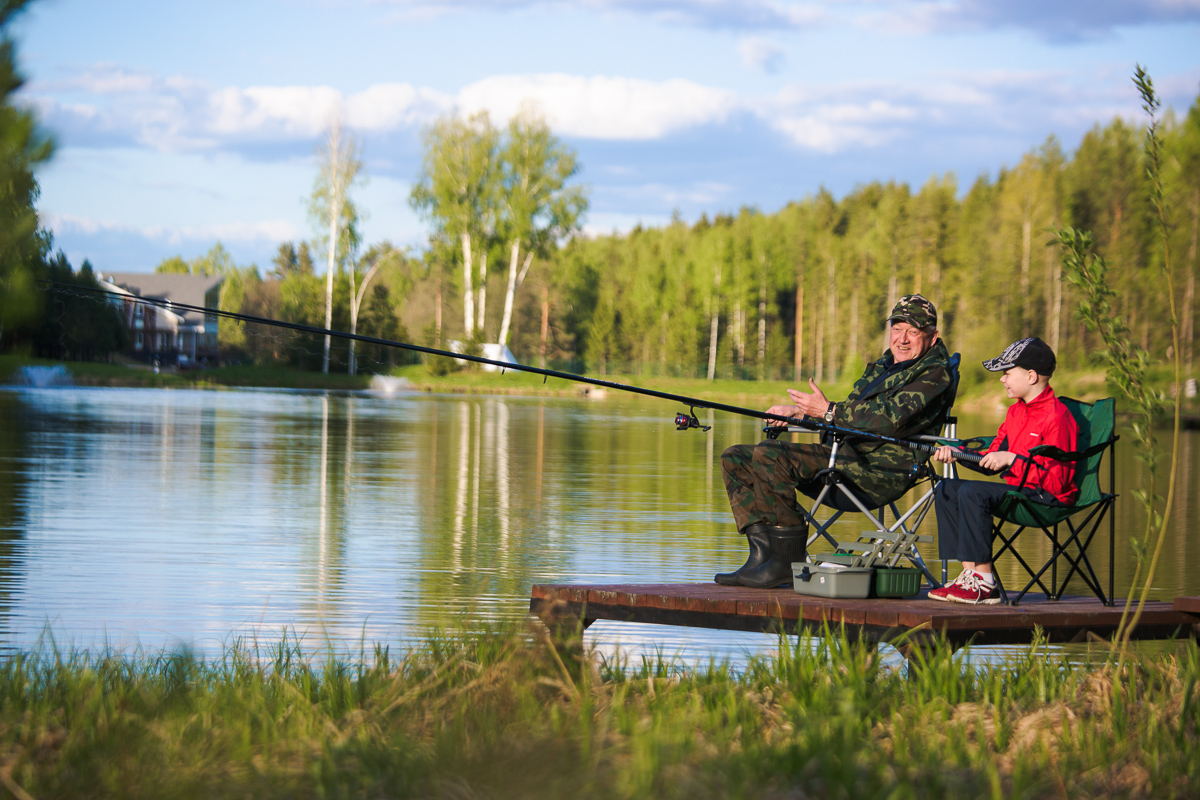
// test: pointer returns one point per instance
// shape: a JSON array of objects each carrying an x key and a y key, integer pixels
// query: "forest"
[{"x": 802, "y": 291}]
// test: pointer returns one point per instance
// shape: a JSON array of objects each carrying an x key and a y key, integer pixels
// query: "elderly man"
[{"x": 905, "y": 393}]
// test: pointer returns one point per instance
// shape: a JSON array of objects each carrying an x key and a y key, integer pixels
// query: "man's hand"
[
  {"x": 944, "y": 454},
  {"x": 783, "y": 411},
  {"x": 813, "y": 404},
  {"x": 1001, "y": 459}
]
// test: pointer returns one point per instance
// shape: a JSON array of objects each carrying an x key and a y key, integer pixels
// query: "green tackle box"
[
  {"x": 833, "y": 582},
  {"x": 889, "y": 581}
]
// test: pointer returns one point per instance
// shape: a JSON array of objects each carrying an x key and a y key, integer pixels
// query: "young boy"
[{"x": 964, "y": 508}]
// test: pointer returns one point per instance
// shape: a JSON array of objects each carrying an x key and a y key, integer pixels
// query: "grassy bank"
[
  {"x": 981, "y": 395},
  {"x": 137, "y": 375},
  {"x": 512, "y": 714}
]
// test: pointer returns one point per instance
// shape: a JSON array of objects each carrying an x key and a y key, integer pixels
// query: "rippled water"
[{"x": 156, "y": 517}]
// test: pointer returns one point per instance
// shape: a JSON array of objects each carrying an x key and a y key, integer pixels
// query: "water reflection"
[{"x": 164, "y": 516}]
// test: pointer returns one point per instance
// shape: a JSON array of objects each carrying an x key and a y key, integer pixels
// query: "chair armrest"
[{"x": 1058, "y": 454}]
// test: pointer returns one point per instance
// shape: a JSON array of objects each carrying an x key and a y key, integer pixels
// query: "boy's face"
[
  {"x": 909, "y": 342},
  {"x": 1019, "y": 383}
]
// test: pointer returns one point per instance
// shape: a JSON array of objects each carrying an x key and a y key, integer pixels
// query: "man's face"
[{"x": 909, "y": 342}]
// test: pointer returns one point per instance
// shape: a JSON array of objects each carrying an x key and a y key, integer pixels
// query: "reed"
[{"x": 512, "y": 712}]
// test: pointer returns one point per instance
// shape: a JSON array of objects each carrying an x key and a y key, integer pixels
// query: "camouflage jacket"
[{"x": 913, "y": 401}]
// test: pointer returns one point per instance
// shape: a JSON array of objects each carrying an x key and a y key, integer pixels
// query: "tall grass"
[{"x": 514, "y": 713}]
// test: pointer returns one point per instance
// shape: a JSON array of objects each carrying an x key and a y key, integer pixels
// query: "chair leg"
[
  {"x": 1000, "y": 585},
  {"x": 1054, "y": 567},
  {"x": 1081, "y": 563},
  {"x": 1010, "y": 545}
]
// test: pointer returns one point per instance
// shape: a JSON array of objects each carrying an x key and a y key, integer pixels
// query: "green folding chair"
[{"x": 1083, "y": 519}]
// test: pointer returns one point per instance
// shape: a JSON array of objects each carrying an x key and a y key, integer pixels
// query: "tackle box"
[
  {"x": 889, "y": 581},
  {"x": 831, "y": 581}
]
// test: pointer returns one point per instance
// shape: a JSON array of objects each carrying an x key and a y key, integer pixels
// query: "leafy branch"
[{"x": 1127, "y": 363}]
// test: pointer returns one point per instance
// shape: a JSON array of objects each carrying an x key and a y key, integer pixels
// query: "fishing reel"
[{"x": 684, "y": 421}]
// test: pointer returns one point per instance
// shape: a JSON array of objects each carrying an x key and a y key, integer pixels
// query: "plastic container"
[
  {"x": 896, "y": 582},
  {"x": 834, "y": 582},
  {"x": 889, "y": 581}
]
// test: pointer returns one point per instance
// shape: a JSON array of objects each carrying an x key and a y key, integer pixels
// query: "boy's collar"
[{"x": 1045, "y": 393}]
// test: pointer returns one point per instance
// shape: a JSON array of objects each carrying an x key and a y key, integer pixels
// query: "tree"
[
  {"x": 1187, "y": 187},
  {"x": 332, "y": 209},
  {"x": 22, "y": 148},
  {"x": 538, "y": 207},
  {"x": 378, "y": 256},
  {"x": 217, "y": 261},
  {"x": 457, "y": 190}
]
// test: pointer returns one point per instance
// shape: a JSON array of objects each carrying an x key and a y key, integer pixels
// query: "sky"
[{"x": 180, "y": 124}]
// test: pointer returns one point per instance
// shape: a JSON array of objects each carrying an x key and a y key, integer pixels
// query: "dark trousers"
[{"x": 964, "y": 516}]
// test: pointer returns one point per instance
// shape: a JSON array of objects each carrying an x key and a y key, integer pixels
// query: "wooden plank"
[
  {"x": 1188, "y": 605},
  {"x": 740, "y": 608}
]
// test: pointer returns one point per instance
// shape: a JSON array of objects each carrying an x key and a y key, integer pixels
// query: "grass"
[{"x": 513, "y": 713}]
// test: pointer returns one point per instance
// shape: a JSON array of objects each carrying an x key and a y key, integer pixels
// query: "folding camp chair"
[
  {"x": 1095, "y": 435},
  {"x": 884, "y": 545}
]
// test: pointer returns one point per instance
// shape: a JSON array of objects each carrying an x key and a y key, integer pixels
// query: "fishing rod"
[
  {"x": 683, "y": 421},
  {"x": 960, "y": 454}
]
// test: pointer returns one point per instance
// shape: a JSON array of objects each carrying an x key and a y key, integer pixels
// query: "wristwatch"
[{"x": 829, "y": 413}]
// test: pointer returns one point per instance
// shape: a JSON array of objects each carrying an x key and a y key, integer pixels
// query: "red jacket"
[{"x": 1045, "y": 420}]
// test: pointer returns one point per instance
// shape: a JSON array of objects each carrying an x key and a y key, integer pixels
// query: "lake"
[{"x": 155, "y": 518}]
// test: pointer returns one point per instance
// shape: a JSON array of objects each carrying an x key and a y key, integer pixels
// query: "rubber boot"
[
  {"x": 760, "y": 552},
  {"x": 787, "y": 545}
]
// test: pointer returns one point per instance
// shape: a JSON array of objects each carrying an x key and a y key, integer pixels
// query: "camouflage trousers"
[{"x": 761, "y": 480}]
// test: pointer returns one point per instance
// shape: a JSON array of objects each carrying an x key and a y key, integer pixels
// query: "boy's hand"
[
  {"x": 999, "y": 460},
  {"x": 944, "y": 454},
  {"x": 783, "y": 411}
]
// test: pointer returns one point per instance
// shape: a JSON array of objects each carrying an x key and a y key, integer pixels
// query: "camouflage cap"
[{"x": 916, "y": 310}]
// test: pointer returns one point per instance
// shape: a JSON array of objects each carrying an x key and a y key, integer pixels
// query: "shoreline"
[{"x": 977, "y": 399}]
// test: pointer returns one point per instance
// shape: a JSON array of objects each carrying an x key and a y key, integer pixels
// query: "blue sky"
[{"x": 181, "y": 123}]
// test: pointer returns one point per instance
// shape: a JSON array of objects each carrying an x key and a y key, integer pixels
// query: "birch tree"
[
  {"x": 456, "y": 190},
  {"x": 538, "y": 207},
  {"x": 333, "y": 211},
  {"x": 377, "y": 257}
]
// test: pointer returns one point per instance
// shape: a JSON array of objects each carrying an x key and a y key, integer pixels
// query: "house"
[{"x": 162, "y": 333}]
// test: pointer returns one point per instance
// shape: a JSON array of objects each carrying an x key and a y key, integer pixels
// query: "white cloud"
[
  {"x": 283, "y": 111},
  {"x": 831, "y": 121},
  {"x": 602, "y": 107},
  {"x": 859, "y": 115},
  {"x": 108, "y": 78},
  {"x": 276, "y": 230},
  {"x": 759, "y": 52},
  {"x": 180, "y": 115},
  {"x": 388, "y": 106},
  {"x": 170, "y": 116}
]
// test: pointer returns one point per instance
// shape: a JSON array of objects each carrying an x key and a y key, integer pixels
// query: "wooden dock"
[{"x": 707, "y": 605}]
